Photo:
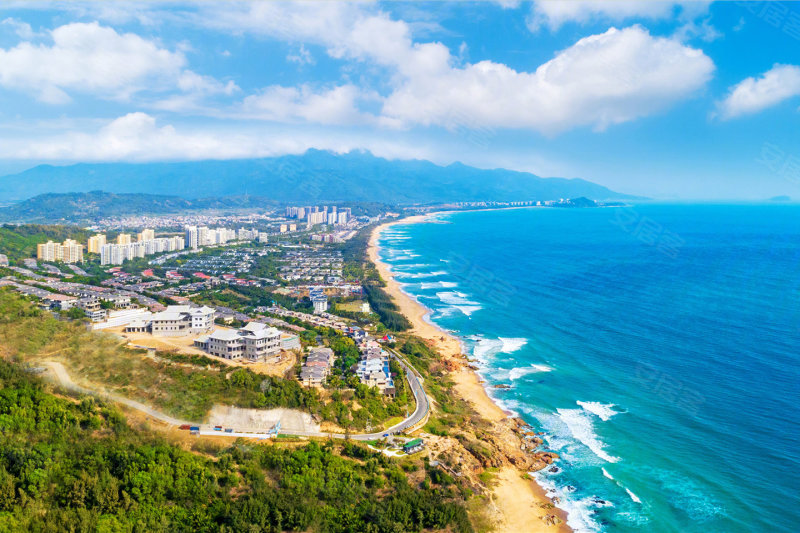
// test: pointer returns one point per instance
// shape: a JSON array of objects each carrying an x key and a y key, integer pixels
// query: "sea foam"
[
  {"x": 602, "y": 411},
  {"x": 485, "y": 347},
  {"x": 438, "y": 285},
  {"x": 633, "y": 496},
  {"x": 516, "y": 373},
  {"x": 419, "y": 275},
  {"x": 582, "y": 430},
  {"x": 580, "y": 512},
  {"x": 459, "y": 301},
  {"x": 511, "y": 345}
]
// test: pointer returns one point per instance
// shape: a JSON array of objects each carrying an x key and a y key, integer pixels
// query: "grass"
[
  {"x": 352, "y": 307},
  {"x": 393, "y": 421}
]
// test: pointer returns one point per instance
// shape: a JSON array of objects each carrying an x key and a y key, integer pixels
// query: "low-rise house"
[
  {"x": 60, "y": 301},
  {"x": 413, "y": 446},
  {"x": 125, "y": 317},
  {"x": 179, "y": 320},
  {"x": 119, "y": 301},
  {"x": 91, "y": 306},
  {"x": 260, "y": 341},
  {"x": 373, "y": 368},
  {"x": 317, "y": 367}
]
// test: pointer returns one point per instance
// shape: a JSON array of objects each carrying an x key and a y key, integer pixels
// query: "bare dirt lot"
[
  {"x": 277, "y": 366},
  {"x": 240, "y": 419}
]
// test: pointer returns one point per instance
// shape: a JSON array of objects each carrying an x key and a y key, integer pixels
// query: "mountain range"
[{"x": 313, "y": 177}]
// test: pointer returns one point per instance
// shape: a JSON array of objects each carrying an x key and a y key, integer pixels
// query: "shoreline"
[{"x": 518, "y": 498}]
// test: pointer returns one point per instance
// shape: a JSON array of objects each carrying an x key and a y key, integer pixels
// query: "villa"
[
  {"x": 254, "y": 342},
  {"x": 175, "y": 321}
]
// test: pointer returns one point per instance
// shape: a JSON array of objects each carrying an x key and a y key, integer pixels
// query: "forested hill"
[
  {"x": 19, "y": 242},
  {"x": 77, "y": 206},
  {"x": 315, "y": 176},
  {"x": 74, "y": 464}
]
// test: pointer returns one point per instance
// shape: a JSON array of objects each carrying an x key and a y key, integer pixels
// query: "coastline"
[{"x": 517, "y": 497}]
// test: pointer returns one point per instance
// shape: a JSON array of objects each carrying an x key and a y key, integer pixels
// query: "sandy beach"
[{"x": 518, "y": 499}]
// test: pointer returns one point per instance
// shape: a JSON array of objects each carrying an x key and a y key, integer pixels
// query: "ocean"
[{"x": 657, "y": 347}]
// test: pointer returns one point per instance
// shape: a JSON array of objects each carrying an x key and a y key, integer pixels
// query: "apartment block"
[
  {"x": 96, "y": 242},
  {"x": 68, "y": 252}
]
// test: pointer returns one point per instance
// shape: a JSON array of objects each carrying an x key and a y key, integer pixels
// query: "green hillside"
[
  {"x": 78, "y": 206},
  {"x": 19, "y": 242}
]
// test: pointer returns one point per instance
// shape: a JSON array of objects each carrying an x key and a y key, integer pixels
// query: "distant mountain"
[
  {"x": 316, "y": 176},
  {"x": 76, "y": 207}
]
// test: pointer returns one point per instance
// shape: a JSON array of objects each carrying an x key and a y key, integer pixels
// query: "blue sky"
[{"x": 686, "y": 100}]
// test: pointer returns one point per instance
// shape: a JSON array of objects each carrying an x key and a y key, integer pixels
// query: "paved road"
[{"x": 419, "y": 415}]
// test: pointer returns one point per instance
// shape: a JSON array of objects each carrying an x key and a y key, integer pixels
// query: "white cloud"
[
  {"x": 337, "y": 105},
  {"x": 22, "y": 29},
  {"x": 555, "y": 13},
  {"x": 90, "y": 58},
  {"x": 756, "y": 94},
  {"x": 509, "y": 4},
  {"x": 301, "y": 57},
  {"x": 138, "y": 137},
  {"x": 601, "y": 80},
  {"x": 348, "y": 30},
  {"x": 191, "y": 82},
  {"x": 87, "y": 58}
]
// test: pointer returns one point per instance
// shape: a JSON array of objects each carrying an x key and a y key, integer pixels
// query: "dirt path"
[{"x": 65, "y": 380}]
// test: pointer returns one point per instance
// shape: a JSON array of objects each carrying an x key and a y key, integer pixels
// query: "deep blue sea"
[{"x": 658, "y": 347}]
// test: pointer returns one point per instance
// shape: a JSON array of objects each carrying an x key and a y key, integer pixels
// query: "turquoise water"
[{"x": 656, "y": 345}]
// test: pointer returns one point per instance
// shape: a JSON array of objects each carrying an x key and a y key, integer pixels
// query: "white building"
[
  {"x": 319, "y": 300},
  {"x": 373, "y": 367},
  {"x": 116, "y": 254},
  {"x": 192, "y": 237},
  {"x": 254, "y": 342},
  {"x": 68, "y": 252},
  {"x": 179, "y": 320},
  {"x": 290, "y": 341},
  {"x": 146, "y": 235},
  {"x": 96, "y": 242},
  {"x": 124, "y": 317},
  {"x": 316, "y": 367}
]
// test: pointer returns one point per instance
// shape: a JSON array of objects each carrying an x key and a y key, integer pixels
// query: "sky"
[{"x": 670, "y": 100}]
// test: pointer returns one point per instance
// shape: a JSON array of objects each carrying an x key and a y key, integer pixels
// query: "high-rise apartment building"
[
  {"x": 68, "y": 252},
  {"x": 95, "y": 243}
]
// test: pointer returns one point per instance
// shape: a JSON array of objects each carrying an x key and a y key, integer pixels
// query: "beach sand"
[{"x": 519, "y": 500}]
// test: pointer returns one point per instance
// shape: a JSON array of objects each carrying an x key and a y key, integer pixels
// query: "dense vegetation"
[
  {"x": 77, "y": 466},
  {"x": 81, "y": 206},
  {"x": 19, "y": 242},
  {"x": 381, "y": 303},
  {"x": 452, "y": 410}
]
